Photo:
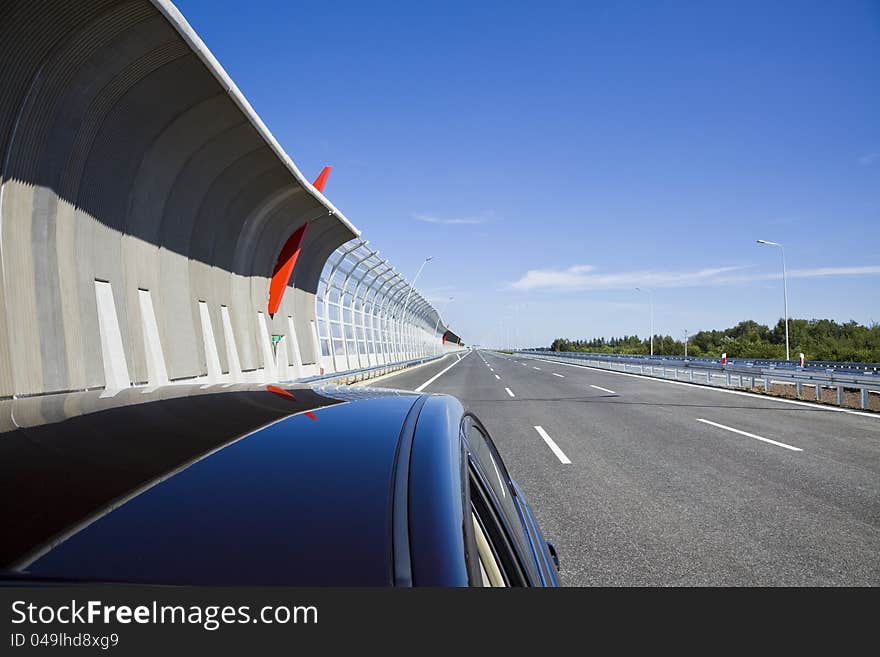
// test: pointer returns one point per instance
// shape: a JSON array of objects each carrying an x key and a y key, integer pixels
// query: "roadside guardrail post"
[{"x": 864, "y": 380}]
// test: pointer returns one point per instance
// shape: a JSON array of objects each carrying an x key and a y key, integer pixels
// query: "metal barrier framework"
[
  {"x": 369, "y": 315},
  {"x": 738, "y": 375}
]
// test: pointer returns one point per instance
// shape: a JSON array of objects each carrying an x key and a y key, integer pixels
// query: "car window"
[
  {"x": 490, "y": 570},
  {"x": 494, "y": 548},
  {"x": 495, "y": 477}
]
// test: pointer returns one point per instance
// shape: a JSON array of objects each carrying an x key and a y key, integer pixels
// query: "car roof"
[{"x": 243, "y": 485}]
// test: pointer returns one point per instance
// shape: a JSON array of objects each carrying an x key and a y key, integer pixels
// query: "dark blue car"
[{"x": 265, "y": 486}]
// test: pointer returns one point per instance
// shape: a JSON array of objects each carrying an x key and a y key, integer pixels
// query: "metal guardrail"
[
  {"x": 733, "y": 375},
  {"x": 865, "y": 368}
]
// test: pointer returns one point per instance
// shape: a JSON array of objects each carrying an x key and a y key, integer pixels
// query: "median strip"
[
  {"x": 750, "y": 435},
  {"x": 553, "y": 446}
]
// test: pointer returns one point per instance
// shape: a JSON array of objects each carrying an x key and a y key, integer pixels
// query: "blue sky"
[{"x": 553, "y": 156}]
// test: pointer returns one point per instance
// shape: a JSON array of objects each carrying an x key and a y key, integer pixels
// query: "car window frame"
[
  {"x": 495, "y": 528},
  {"x": 512, "y": 512}
]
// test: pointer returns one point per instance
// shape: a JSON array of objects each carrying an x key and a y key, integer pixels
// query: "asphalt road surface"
[{"x": 644, "y": 482}]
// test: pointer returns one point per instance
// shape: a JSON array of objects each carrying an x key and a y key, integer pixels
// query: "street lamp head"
[
  {"x": 768, "y": 243},
  {"x": 429, "y": 258}
]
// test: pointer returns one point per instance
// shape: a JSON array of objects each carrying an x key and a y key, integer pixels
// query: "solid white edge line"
[
  {"x": 366, "y": 383},
  {"x": 750, "y": 435},
  {"x": 510, "y": 392},
  {"x": 821, "y": 407},
  {"x": 603, "y": 389},
  {"x": 553, "y": 446},
  {"x": 437, "y": 376},
  {"x": 559, "y": 375}
]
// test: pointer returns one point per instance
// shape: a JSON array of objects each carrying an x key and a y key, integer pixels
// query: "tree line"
[{"x": 817, "y": 339}]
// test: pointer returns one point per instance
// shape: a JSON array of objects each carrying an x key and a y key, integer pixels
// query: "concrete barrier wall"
[{"x": 142, "y": 208}]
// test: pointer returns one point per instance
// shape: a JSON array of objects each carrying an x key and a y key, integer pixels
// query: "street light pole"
[
  {"x": 784, "y": 291},
  {"x": 651, "y": 300},
  {"x": 685, "y": 344},
  {"x": 411, "y": 288}
]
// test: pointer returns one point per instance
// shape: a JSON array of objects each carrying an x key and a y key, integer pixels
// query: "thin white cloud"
[
  {"x": 835, "y": 271},
  {"x": 869, "y": 159},
  {"x": 569, "y": 279},
  {"x": 584, "y": 277},
  {"x": 581, "y": 277},
  {"x": 454, "y": 221},
  {"x": 818, "y": 272}
]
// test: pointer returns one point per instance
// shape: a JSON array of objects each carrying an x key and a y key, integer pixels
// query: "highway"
[{"x": 639, "y": 481}]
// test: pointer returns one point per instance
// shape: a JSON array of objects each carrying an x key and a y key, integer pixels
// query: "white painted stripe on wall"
[
  {"x": 266, "y": 348},
  {"x": 231, "y": 351},
  {"x": 282, "y": 367},
  {"x": 294, "y": 344},
  {"x": 115, "y": 368},
  {"x": 212, "y": 358},
  {"x": 157, "y": 373}
]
